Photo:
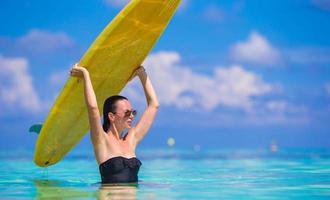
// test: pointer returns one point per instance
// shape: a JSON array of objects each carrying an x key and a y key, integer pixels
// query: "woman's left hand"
[
  {"x": 135, "y": 73},
  {"x": 78, "y": 71}
]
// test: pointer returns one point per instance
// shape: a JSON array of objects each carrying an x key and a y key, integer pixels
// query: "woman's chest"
[{"x": 120, "y": 147}]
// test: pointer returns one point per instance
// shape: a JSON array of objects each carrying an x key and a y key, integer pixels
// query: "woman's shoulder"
[
  {"x": 98, "y": 138},
  {"x": 130, "y": 135}
]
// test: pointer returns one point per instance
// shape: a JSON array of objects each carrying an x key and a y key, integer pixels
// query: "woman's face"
[{"x": 124, "y": 114}]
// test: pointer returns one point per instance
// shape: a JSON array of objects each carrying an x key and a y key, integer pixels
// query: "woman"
[{"x": 114, "y": 151}]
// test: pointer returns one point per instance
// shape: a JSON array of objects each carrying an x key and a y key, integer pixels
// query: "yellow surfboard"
[{"x": 111, "y": 59}]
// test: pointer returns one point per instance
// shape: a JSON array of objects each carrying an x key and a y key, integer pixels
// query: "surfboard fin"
[{"x": 36, "y": 128}]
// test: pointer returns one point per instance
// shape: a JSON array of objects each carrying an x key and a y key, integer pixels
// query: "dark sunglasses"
[{"x": 129, "y": 113}]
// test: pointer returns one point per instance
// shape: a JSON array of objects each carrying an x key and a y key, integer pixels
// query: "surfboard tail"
[{"x": 35, "y": 128}]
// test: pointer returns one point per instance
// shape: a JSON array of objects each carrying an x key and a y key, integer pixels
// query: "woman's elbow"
[
  {"x": 93, "y": 108},
  {"x": 155, "y": 105}
]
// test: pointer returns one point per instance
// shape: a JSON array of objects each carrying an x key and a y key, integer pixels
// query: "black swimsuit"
[{"x": 120, "y": 170}]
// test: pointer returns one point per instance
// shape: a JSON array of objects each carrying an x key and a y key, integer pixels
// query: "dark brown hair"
[{"x": 110, "y": 106}]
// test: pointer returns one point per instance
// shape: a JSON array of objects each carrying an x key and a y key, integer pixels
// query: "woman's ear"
[{"x": 111, "y": 116}]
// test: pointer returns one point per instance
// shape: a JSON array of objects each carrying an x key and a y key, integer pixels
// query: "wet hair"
[{"x": 110, "y": 106}]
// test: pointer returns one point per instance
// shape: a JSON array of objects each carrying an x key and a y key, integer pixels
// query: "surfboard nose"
[
  {"x": 41, "y": 163},
  {"x": 45, "y": 160}
]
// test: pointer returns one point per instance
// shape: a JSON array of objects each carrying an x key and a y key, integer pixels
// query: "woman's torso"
[
  {"x": 110, "y": 147},
  {"x": 117, "y": 160}
]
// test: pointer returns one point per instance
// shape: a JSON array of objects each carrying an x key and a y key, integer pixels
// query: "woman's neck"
[{"x": 116, "y": 132}]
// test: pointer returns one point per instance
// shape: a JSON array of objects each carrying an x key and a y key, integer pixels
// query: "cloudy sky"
[{"x": 229, "y": 74}]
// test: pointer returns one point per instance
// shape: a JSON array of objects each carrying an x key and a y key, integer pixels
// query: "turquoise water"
[{"x": 175, "y": 174}]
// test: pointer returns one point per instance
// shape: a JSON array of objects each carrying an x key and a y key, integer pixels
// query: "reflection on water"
[
  {"x": 57, "y": 189},
  {"x": 121, "y": 191}
]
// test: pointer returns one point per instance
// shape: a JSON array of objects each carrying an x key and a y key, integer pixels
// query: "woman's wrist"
[
  {"x": 85, "y": 72},
  {"x": 142, "y": 73},
  {"x": 142, "y": 76}
]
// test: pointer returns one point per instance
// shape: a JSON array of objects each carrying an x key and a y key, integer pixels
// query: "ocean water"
[{"x": 175, "y": 174}]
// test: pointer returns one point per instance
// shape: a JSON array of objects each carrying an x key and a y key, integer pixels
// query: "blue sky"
[{"x": 229, "y": 74}]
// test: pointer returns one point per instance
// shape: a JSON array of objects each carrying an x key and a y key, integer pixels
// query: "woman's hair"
[{"x": 110, "y": 106}]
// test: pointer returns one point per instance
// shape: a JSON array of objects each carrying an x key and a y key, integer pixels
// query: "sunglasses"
[{"x": 128, "y": 113}]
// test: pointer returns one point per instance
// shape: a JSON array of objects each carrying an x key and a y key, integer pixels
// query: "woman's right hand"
[
  {"x": 138, "y": 72},
  {"x": 78, "y": 71}
]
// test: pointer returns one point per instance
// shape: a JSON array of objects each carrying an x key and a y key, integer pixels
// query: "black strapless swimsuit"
[{"x": 120, "y": 170}]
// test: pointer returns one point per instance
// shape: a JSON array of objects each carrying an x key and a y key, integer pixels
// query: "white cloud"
[
  {"x": 230, "y": 96},
  {"x": 256, "y": 50},
  {"x": 38, "y": 42},
  {"x": 179, "y": 86},
  {"x": 238, "y": 86},
  {"x": 41, "y": 41},
  {"x": 280, "y": 112},
  {"x": 285, "y": 107},
  {"x": 214, "y": 13},
  {"x": 16, "y": 88}
]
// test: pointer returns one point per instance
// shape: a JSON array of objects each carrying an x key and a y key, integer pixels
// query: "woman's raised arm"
[
  {"x": 91, "y": 103},
  {"x": 150, "y": 112}
]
